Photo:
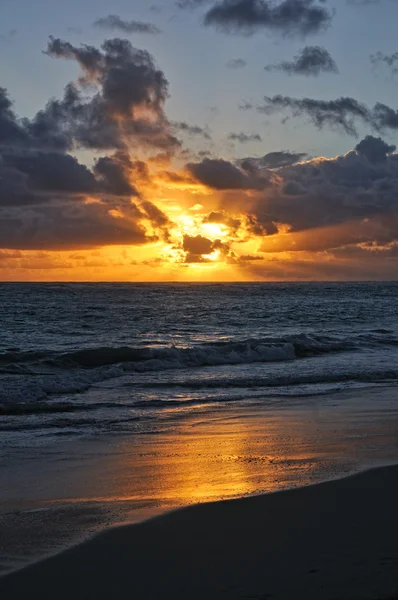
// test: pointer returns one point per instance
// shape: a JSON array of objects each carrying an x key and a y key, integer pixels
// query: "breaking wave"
[
  {"x": 214, "y": 353},
  {"x": 31, "y": 377}
]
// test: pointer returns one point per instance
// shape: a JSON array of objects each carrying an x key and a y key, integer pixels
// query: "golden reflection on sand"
[
  {"x": 223, "y": 458},
  {"x": 209, "y": 456}
]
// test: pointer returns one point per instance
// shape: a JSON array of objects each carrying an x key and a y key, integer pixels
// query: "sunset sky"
[{"x": 198, "y": 140}]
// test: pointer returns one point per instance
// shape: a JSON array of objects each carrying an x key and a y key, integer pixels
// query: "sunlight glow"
[{"x": 214, "y": 230}]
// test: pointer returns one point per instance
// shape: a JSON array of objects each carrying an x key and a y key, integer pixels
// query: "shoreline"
[
  {"x": 102, "y": 515},
  {"x": 335, "y": 539},
  {"x": 71, "y": 491},
  {"x": 106, "y": 514}
]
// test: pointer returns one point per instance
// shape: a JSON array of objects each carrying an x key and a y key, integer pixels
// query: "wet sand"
[
  {"x": 335, "y": 540},
  {"x": 57, "y": 494}
]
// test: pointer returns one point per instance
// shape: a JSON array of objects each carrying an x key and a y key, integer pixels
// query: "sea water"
[{"x": 83, "y": 359}]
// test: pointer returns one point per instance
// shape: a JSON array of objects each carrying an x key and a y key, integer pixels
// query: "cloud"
[
  {"x": 191, "y": 129},
  {"x": 44, "y": 131},
  {"x": 10, "y": 130},
  {"x": 197, "y": 244},
  {"x": 384, "y": 117},
  {"x": 42, "y": 174},
  {"x": 388, "y": 59},
  {"x": 197, "y": 248},
  {"x": 115, "y": 22},
  {"x": 48, "y": 198},
  {"x": 115, "y": 174},
  {"x": 236, "y": 63},
  {"x": 289, "y": 17},
  {"x": 221, "y": 217},
  {"x": 311, "y": 61},
  {"x": 157, "y": 218},
  {"x": 244, "y": 137},
  {"x": 331, "y": 203},
  {"x": 363, "y": 265},
  {"x": 128, "y": 107},
  {"x": 245, "y": 105},
  {"x": 374, "y": 149},
  {"x": 341, "y": 113},
  {"x": 172, "y": 177},
  {"x": 221, "y": 174},
  {"x": 272, "y": 160},
  {"x": 251, "y": 257},
  {"x": 281, "y": 203},
  {"x": 69, "y": 227}
]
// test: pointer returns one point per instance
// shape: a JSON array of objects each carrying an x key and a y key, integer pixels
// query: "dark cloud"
[
  {"x": 11, "y": 132},
  {"x": 311, "y": 61},
  {"x": 218, "y": 174},
  {"x": 157, "y": 218},
  {"x": 329, "y": 203},
  {"x": 221, "y": 217},
  {"x": 48, "y": 198},
  {"x": 236, "y": 63},
  {"x": 341, "y": 113},
  {"x": 221, "y": 174},
  {"x": 30, "y": 177},
  {"x": 292, "y": 188},
  {"x": 44, "y": 131},
  {"x": 115, "y": 174},
  {"x": 384, "y": 117},
  {"x": 191, "y": 129},
  {"x": 272, "y": 160},
  {"x": 289, "y": 17},
  {"x": 375, "y": 149},
  {"x": 115, "y": 22},
  {"x": 197, "y": 244},
  {"x": 127, "y": 109},
  {"x": 89, "y": 57},
  {"x": 45, "y": 172},
  {"x": 244, "y": 137},
  {"x": 69, "y": 227},
  {"x": 43, "y": 202},
  {"x": 250, "y": 257},
  {"x": 195, "y": 247},
  {"x": 15, "y": 190},
  {"x": 257, "y": 227},
  {"x": 176, "y": 177}
]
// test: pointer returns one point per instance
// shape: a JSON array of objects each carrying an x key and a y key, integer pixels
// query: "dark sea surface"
[{"x": 84, "y": 359}]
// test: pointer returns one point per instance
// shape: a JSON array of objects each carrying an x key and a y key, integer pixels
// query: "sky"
[{"x": 198, "y": 140}]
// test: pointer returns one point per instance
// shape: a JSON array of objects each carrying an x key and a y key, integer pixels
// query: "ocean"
[{"x": 83, "y": 359}]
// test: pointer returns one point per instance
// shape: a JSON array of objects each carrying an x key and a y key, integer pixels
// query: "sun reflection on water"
[{"x": 208, "y": 460}]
